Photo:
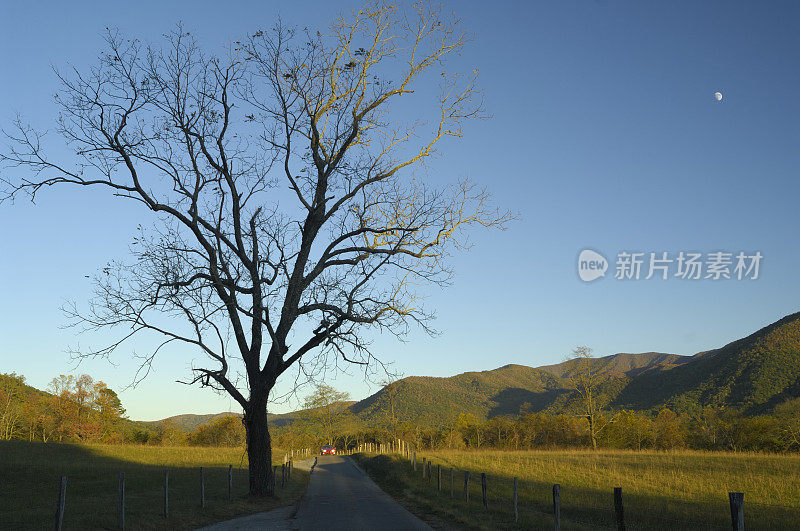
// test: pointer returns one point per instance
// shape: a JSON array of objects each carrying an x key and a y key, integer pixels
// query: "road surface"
[{"x": 340, "y": 497}]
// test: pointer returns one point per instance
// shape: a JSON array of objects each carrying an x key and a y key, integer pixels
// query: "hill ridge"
[{"x": 753, "y": 373}]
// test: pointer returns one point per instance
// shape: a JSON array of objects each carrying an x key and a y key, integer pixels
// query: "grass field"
[
  {"x": 681, "y": 490},
  {"x": 30, "y": 476}
]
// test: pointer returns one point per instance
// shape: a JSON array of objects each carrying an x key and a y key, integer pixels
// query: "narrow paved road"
[{"x": 340, "y": 497}]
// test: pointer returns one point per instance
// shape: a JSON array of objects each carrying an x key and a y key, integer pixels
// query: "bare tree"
[
  {"x": 287, "y": 223},
  {"x": 389, "y": 406},
  {"x": 585, "y": 377}
]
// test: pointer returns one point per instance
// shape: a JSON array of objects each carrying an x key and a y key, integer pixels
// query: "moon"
[{"x": 718, "y": 96}]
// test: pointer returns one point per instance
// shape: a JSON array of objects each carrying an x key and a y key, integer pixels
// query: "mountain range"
[{"x": 752, "y": 374}]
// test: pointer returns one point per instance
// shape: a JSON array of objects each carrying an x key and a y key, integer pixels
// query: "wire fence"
[
  {"x": 509, "y": 500},
  {"x": 91, "y": 498}
]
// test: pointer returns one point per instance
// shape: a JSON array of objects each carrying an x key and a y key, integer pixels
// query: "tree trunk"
[{"x": 259, "y": 449}]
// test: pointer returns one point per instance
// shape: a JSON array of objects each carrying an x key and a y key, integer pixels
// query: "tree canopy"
[{"x": 287, "y": 221}]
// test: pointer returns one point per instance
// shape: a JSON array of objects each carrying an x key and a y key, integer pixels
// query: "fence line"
[
  {"x": 123, "y": 495},
  {"x": 615, "y": 510}
]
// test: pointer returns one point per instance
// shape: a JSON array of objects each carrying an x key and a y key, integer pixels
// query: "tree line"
[
  {"x": 585, "y": 425},
  {"x": 74, "y": 409},
  {"x": 81, "y": 409},
  {"x": 709, "y": 429}
]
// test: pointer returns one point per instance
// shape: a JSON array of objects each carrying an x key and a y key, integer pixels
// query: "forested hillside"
[
  {"x": 753, "y": 374},
  {"x": 707, "y": 398}
]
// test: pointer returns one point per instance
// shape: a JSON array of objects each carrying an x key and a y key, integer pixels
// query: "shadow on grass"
[
  {"x": 580, "y": 508},
  {"x": 30, "y": 477}
]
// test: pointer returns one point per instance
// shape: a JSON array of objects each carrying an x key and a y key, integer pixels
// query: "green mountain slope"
[
  {"x": 190, "y": 422},
  {"x": 438, "y": 401},
  {"x": 508, "y": 390},
  {"x": 624, "y": 365},
  {"x": 753, "y": 374}
]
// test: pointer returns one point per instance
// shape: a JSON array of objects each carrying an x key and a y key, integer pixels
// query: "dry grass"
[
  {"x": 675, "y": 490},
  {"x": 30, "y": 475}
]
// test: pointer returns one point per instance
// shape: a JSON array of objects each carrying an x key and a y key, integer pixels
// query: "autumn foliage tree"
[
  {"x": 11, "y": 404},
  {"x": 75, "y": 409},
  {"x": 83, "y": 409},
  {"x": 222, "y": 431},
  {"x": 286, "y": 221},
  {"x": 324, "y": 413}
]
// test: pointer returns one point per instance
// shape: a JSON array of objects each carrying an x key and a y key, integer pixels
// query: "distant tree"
[
  {"x": 348, "y": 427},
  {"x": 788, "y": 414},
  {"x": 63, "y": 409},
  {"x": 453, "y": 438},
  {"x": 324, "y": 411},
  {"x": 168, "y": 433},
  {"x": 498, "y": 430},
  {"x": 470, "y": 429},
  {"x": 709, "y": 428},
  {"x": 107, "y": 404},
  {"x": 209, "y": 145},
  {"x": 668, "y": 430},
  {"x": 12, "y": 395},
  {"x": 631, "y": 429},
  {"x": 83, "y": 409},
  {"x": 389, "y": 405},
  {"x": 221, "y": 431},
  {"x": 585, "y": 377}
]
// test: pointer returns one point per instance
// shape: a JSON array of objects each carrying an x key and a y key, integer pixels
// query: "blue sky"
[{"x": 605, "y": 134}]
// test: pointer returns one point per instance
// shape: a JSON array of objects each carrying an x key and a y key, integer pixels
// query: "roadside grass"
[
  {"x": 30, "y": 477},
  {"x": 661, "y": 490}
]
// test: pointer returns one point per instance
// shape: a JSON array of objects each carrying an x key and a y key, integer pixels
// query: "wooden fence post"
[
  {"x": 62, "y": 500},
  {"x": 230, "y": 482},
  {"x": 557, "y": 506},
  {"x": 283, "y": 476},
  {"x": 452, "y": 481},
  {"x": 618, "y": 508},
  {"x": 423, "y": 467},
  {"x": 166, "y": 493},
  {"x": 430, "y": 470},
  {"x": 516, "y": 510},
  {"x": 202, "y": 488},
  {"x": 414, "y": 461},
  {"x": 275, "y": 473},
  {"x": 121, "y": 501},
  {"x": 736, "y": 500},
  {"x": 439, "y": 478},
  {"x": 466, "y": 485},
  {"x": 483, "y": 491}
]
